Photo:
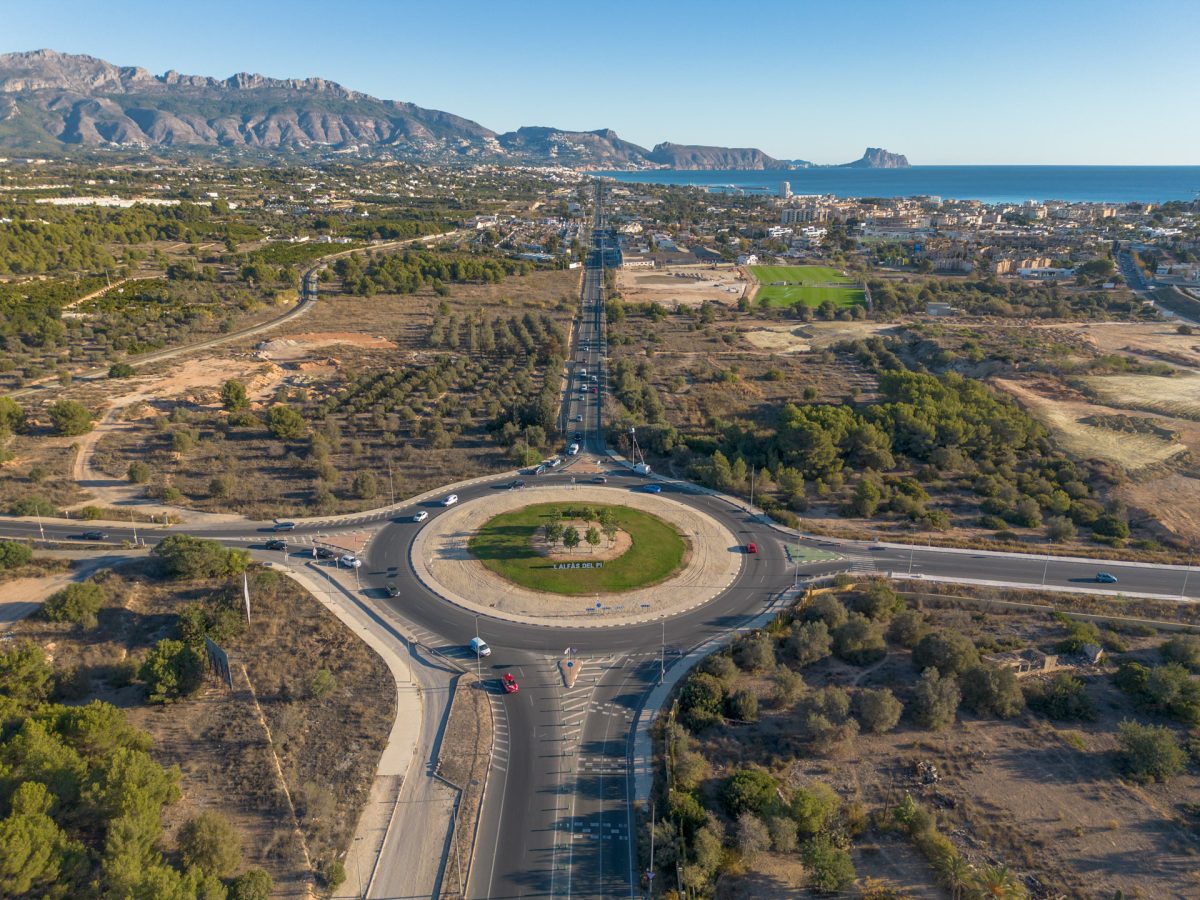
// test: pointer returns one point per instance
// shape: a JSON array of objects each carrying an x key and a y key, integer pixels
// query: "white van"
[
  {"x": 479, "y": 647},
  {"x": 572, "y": 450}
]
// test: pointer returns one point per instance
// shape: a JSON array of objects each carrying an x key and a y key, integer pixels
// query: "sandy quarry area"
[
  {"x": 814, "y": 335},
  {"x": 300, "y": 346},
  {"x": 682, "y": 285}
]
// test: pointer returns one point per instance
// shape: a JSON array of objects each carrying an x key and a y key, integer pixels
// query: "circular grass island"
[{"x": 514, "y": 546}]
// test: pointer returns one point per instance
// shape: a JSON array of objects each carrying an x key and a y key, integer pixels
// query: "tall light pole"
[
  {"x": 478, "y": 655},
  {"x": 391, "y": 486},
  {"x": 362, "y": 888},
  {"x": 134, "y": 524},
  {"x": 1187, "y": 572},
  {"x": 662, "y": 654},
  {"x": 1046, "y": 568}
]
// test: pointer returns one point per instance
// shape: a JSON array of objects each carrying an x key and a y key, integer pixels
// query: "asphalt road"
[{"x": 555, "y": 821}]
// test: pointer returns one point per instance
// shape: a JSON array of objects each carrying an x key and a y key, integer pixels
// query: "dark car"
[
  {"x": 276, "y": 544},
  {"x": 578, "y": 436},
  {"x": 93, "y": 536},
  {"x": 324, "y": 553},
  {"x": 1106, "y": 578},
  {"x": 599, "y": 479},
  {"x": 516, "y": 485},
  {"x": 392, "y": 590}
]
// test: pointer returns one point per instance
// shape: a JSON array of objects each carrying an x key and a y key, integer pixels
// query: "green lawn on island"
[
  {"x": 505, "y": 546},
  {"x": 810, "y": 285}
]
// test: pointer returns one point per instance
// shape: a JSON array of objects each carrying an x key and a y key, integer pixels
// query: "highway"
[{"x": 556, "y": 818}]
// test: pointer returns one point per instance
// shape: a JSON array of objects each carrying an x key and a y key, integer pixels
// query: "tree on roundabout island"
[{"x": 514, "y": 546}]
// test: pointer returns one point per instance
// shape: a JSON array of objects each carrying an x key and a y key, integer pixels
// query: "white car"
[
  {"x": 451, "y": 500},
  {"x": 421, "y": 516},
  {"x": 572, "y": 450},
  {"x": 350, "y": 561}
]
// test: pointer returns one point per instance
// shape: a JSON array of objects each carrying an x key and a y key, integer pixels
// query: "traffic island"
[
  {"x": 570, "y": 669},
  {"x": 483, "y": 555},
  {"x": 463, "y": 759}
]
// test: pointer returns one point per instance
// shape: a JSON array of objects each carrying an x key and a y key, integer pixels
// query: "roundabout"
[{"x": 498, "y": 555}]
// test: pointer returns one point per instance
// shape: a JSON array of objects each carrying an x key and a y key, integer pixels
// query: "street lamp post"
[
  {"x": 662, "y": 654},
  {"x": 1186, "y": 573},
  {"x": 478, "y": 658},
  {"x": 362, "y": 888},
  {"x": 1045, "y": 570}
]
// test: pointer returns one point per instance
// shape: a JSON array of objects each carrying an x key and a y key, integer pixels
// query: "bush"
[
  {"x": 1149, "y": 752},
  {"x": 721, "y": 667},
  {"x": 1183, "y": 649},
  {"x": 1063, "y": 698},
  {"x": 992, "y": 690},
  {"x": 813, "y": 807},
  {"x": 31, "y": 505},
  {"x": 743, "y": 706},
  {"x": 755, "y": 652},
  {"x": 121, "y": 370},
  {"x": 184, "y": 556},
  {"x": 70, "y": 417},
  {"x": 950, "y": 652},
  {"x": 284, "y": 423},
  {"x": 825, "y": 608},
  {"x": 750, "y": 790},
  {"x": 907, "y": 628},
  {"x": 809, "y": 642},
  {"x": 14, "y": 554},
  {"x": 322, "y": 684},
  {"x": 253, "y": 884},
  {"x": 1168, "y": 689},
  {"x": 365, "y": 486},
  {"x": 171, "y": 671},
  {"x": 788, "y": 686},
  {"x": 701, "y": 700},
  {"x": 76, "y": 603},
  {"x": 1079, "y": 634},
  {"x": 878, "y": 711},
  {"x": 860, "y": 641},
  {"x": 830, "y": 868},
  {"x": 25, "y": 673},
  {"x": 211, "y": 844},
  {"x": 783, "y": 834},
  {"x": 935, "y": 700},
  {"x": 334, "y": 875},
  {"x": 877, "y": 601},
  {"x": 753, "y": 836}
]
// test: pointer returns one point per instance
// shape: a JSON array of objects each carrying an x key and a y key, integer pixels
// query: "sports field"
[
  {"x": 505, "y": 545},
  {"x": 810, "y": 285}
]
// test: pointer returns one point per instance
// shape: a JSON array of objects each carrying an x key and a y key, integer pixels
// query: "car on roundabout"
[
  {"x": 510, "y": 683},
  {"x": 752, "y": 548},
  {"x": 421, "y": 515},
  {"x": 276, "y": 544},
  {"x": 450, "y": 500},
  {"x": 479, "y": 647},
  {"x": 515, "y": 485},
  {"x": 350, "y": 561},
  {"x": 599, "y": 479},
  {"x": 652, "y": 488},
  {"x": 1106, "y": 578},
  {"x": 392, "y": 589}
]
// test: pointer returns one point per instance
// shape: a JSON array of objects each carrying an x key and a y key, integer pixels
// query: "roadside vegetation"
[
  {"x": 133, "y": 770},
  {"x": 869, "y": 742}
]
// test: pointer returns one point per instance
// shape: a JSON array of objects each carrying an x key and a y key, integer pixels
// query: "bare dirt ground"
[
  {"x": 300, "y": 346},
  {"x": 682, "y": 285},
  {"x": 1158, "y": 340},
  {"x": 1063, "y": 413},
  {"x": 197, "y": 380},
  {"x": 815, "y": 335}
]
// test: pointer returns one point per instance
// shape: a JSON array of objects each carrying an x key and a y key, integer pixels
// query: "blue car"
[
  {"x": 1106, "y": 578},
  {"x": 653, "y": 489}
]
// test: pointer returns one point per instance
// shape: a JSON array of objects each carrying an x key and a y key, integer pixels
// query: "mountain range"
[{"x": 54, "y": 101}]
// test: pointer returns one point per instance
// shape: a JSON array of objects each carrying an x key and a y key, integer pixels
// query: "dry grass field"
[
  {"x": 1178, "y": 396},
  {"x": 1064, "y": 416}
]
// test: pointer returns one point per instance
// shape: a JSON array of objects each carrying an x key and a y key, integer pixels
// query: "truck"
[{"x": 641, "y": 469}]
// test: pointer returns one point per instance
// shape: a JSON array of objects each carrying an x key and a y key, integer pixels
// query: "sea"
[{"x": 988, "y": 184}]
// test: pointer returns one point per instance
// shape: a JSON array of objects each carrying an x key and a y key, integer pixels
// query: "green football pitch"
[{"x": 810, "y": 285}]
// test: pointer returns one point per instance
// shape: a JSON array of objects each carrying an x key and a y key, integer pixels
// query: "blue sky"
[{"x": 971, "y": 82}]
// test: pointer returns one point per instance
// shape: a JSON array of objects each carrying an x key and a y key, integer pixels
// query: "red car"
[
  {"x": 510, "y": 683},
  {"x": 752, "y": 548}
]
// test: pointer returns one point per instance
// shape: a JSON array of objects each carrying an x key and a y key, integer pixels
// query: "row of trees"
[{"x": 408, "y": 272}]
